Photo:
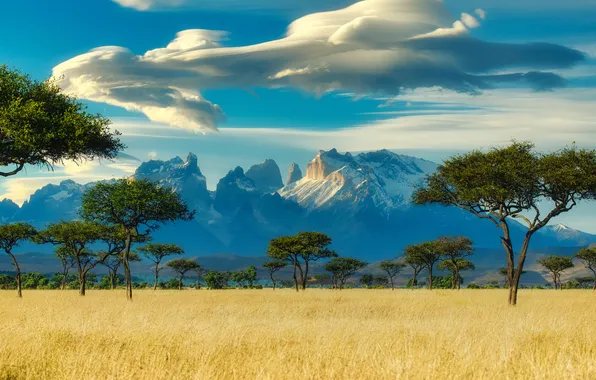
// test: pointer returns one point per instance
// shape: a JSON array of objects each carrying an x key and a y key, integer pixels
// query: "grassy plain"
[{"x": 317, "y": 334}]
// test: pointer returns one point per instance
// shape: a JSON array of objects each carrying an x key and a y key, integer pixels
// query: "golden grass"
[{"x": 318, "y": 334}]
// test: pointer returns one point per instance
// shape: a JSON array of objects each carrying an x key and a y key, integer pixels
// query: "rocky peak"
[
  {"x": 266, "y": 176},
  {"x": 326, "y": 163},
  {"x": 192, "y": 164},
  {"x": 294, "y": 174},
  {"x": 233, "y": 191}
]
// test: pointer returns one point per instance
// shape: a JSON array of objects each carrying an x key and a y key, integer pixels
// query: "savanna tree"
[
  {"x": 415, "y": 264},
  {"x": 41, "y": 126},
  {"x": 156, "y": 253},
  {"x": 514, "y": 182},
  {"x": 455, "y": 249},
  {"x": 456, "y": 267},
  {"x": 392, "y": 268},
  {"x": 367, "y": 280},
  {"x": 11, "y": 236},
  {"x": 138, "y": 207},
  {"x": 556, "y": 265},
  {"x": 67, "y": 260},
  {"x": 273, "y": 267},
  {"x": 181, "y": 267},
  {"x": 217, "y": 280},
  {"x": 428, "y": 253},
  {"x": 76, "y": 237},
  {"x": 113, "y": 264},
  {"x": 342, "y": 268},
  {"x": 588, "y": 258}
]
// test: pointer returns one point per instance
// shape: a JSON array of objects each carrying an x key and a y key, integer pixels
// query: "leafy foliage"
[
  {"x": 39, "y": 125},
  {"x": 555, "y": 265},
  {"x": 342, "y": 268},
  {"x": 588, "y": 258},
  {"x": 181, "y": 267},
  {"x": 393, "y": 268}
]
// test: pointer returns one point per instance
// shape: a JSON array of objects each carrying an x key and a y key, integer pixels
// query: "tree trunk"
[
  {"x": 180, "y": 283},
  {"x": 518, "y": 271},
  {"x": 295, "y": 278},
  {"x": 457, "y": 278},
  {"x": 555, "y": 281},
  {"x": 305, "y": 278},
  {"x": 272, "y": 280},
  {"x": 594, "y": 279},
  {"x": 414, "y": 280},
  {"x": 83, "y": 284},
  {"x": 392, "y": 285},
  {"x": 18, "y": 274},
  {"x": 301, "y": 272},
  {"x": 156, "y": 276},
  {"x": 80, "y": 274},
  {"x": 508, "y": 246},
  {"x": 64, "y": 277},
  {"x": 126, "y": 265},
  {"x": 112, "y": 280},
  {"x": 430, "y": 278}
]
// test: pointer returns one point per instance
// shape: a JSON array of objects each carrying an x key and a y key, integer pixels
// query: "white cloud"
[
  {"x": 373, "y": 46},
  {"x": 233, "y": 5}
]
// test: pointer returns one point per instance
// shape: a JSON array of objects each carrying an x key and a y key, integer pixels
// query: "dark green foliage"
[
  {"x": 300, "y": 251},
  {"x": 425, "y": 254},
  {"x": 367, "y": 280},
  {"x": 7, "y": 282},
  {"x": 245, "y": 278},
  {"x": 456, "y": 267},
  {"x": 11, "y": 236},
  {"x": 455, "y": 249},
  {"x": 181, "y": 267},
  {"x": 342, "y": 268},
  {"x": 217, "y": 280},
  {"x": 34, "y": 280},
  {"x": 588, "y": 258},
  {"x": 156, "y": 253},
  {"x": 273, "y": 267},
  {"x": 381, "y": 282},
  {"x": 137, "y": 207},
  {"x": 41, "y": 126},
  {"x": 513, "y": 182},
  {"x": 393, "y": 268},
  {"x": 474, "y": 286},
  {"x": 556, "y": 265}
]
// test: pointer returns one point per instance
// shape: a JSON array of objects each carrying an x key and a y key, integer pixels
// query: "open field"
[{"x": 318, "y": 334}]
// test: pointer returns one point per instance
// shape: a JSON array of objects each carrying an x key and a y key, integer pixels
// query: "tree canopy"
[
  {"x": 588, "y": 258},
  {"x": 39, "y": 125},
  {"x": 513, "y": 182},
  {"x": 427, "y": 254},
  {"x": 181, "y": 267},
  {"x": 392, "y": 268},
  {"x": 342, "y": 268},
  {"x": 11, "y": 236},
  {"x": 156, "y": 253},
  {"x": 555, "y": 265}
]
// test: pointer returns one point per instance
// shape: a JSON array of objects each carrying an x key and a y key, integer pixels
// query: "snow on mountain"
[
  {"x": 266, "y": 176},
  {"x": 565, "y": 235},
  {"x": 294, "y": 174},
  {"x": 383, "y": 179}
]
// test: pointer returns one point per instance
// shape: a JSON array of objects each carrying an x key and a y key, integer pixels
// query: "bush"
[{"x": 474, "y": 286}]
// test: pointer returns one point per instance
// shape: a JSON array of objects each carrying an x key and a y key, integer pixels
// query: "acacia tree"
[
  {"x": 273, "y": 267},
  {"x": 393, "y": 268},
  {"x": 588, "y": 258},
  {"x": 41, "y": 126},
  {"x": 156, "y": 253},
  {"x": 76, "y": 237},
  {"x": 455, "y": 249},
  {"x": 456, "y": 267},
  {"x": 556, "y": 265},
  {"x": 181, "y": 267},
  {"x": 505, "y": 273},
  {"x": 113, "y": 264},
  {"x": 513, "y": 182},
  {"x": 66, "y": 257},
  {"x": 342, "y": 268},
  {"x": 427, "y": 253},
  {"x": 11, "y": 236},
  {"x": 415, "y": 263},
  {"x": 138, "y": 207},
  {"x": 199, "y": 272}
]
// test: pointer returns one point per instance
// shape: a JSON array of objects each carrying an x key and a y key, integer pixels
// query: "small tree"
[
  {"x": 76, "y": 237},
  {"x": 367, "y": 280},
  {"x": 393, "y": 268},
  {"x": 199, "y": 272},
  {"x": 41, "y": 126},
  {"x": 156, "y": 253},
  {"x": 381, "y": 281},
  {"x": 273, "y": 267},
  {"x": 251, "y": 275},
  {"x": 514, "y": 182},
  {"x": 342, "y": 268},
  {"x": 455, "y": 250},
  {"x": 217, "y": 280},
  {"x": 67, "y": 260},
  {"x": 11, "y": 236},
  {"x": 181, "y": 267},
  {"x": 138, "y": 207},
  {"x": 427, "y": 253},
  {"x": 556, "y": 265},
  {"x": 456, "y": 268},
  {"x": 588, "y": 258},
  {"x": 505, "y": 273},
  {"x": 416, "y": 264},
  {"x": 113, "y": 264}
]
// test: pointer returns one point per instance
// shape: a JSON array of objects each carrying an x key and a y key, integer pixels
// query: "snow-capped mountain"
[
  {"x": 383, "y": 180},
  {"x": 362, "y": 201}
]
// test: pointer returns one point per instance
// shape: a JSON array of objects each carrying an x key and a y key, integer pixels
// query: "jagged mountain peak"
[
  {"x": 266, "y": 176},
  {"x": 294, "y": 174}
]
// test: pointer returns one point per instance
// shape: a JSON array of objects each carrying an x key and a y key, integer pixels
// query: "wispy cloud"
[{"x": 371, "y": 47}]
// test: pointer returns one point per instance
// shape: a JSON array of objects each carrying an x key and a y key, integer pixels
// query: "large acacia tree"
[
  {"x": 588, "y": 258},
  {"x": 138, "y": 207},
  {"x": 514, "y": 182},
  {"x": 156, "y": 253},
  {"x": 11, "y": 236},
  {"x": 39, "y": 125}
]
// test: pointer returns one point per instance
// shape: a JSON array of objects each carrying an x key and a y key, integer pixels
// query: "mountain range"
[{"x": 362, "y": 201}]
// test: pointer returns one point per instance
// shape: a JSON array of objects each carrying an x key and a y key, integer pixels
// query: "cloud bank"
[{"x": 371, "y": 47}]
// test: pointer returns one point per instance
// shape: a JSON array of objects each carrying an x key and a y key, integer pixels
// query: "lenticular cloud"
[{"x": 371, "y": 47}]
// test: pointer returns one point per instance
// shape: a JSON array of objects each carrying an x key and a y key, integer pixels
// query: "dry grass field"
[{"x": 318, "y": 334}]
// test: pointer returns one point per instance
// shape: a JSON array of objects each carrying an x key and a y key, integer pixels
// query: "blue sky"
[{"x": 365, "y": 78}]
